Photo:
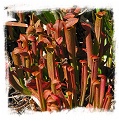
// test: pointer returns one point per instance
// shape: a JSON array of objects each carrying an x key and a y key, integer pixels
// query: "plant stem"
[
  {"x": 73, "y": 83},
  {"x": 98, "y": 24},
  {"x": 108, "y": 102},
  {"x": 94, "y": 72},
  {"x": 51, "y": 66},
  {"x": 101, "y": 49},
  {"x": 106, "y": 97},
  {"x": 70, "y": 36},
  {"x": 94, "y": 96},
  {"x": 84, "y": 76},
  {"x": 89, "y": 44},
  {"x": 102, "y": 88},
  {"x": 40, "y": 92},
  {"x": 97, "y": 96},
  {"x": 69, "y": 85}
]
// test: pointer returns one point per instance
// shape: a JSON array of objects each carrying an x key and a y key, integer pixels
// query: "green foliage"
[{"x": 46, "y": 17}]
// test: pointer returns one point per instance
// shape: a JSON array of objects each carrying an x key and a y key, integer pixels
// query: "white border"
[{"x": 77, "y": 114}]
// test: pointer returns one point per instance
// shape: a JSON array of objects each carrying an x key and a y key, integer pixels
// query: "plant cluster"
[{"x": 63, "y": 57}]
